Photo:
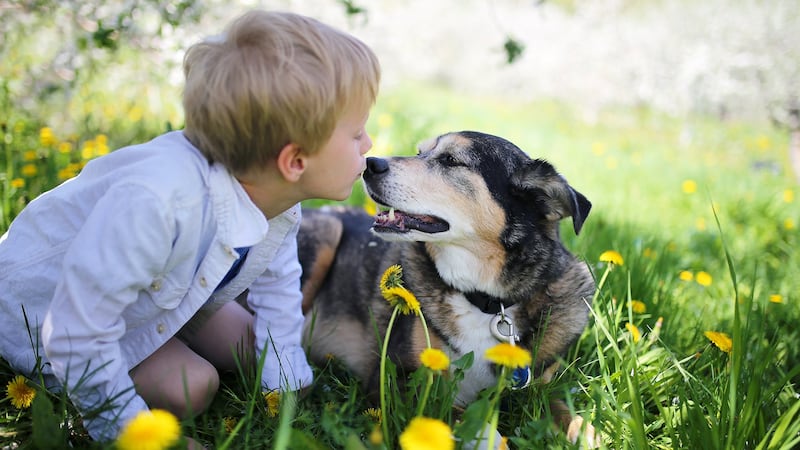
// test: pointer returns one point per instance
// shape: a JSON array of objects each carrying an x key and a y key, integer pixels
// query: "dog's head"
[
  {"x": 479, "y": 202},
  {"x": 462, "y": 185}
]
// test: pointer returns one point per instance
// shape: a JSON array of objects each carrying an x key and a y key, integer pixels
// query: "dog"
[{"x": 474, "y": 223}]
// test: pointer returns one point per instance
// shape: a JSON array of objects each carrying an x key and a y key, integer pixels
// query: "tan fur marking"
[
  {"x": 318, "y": 272},
  {"x": 346, "y": 339}
]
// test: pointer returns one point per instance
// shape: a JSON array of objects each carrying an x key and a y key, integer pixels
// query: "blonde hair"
[{"x": 274, "y": 78}]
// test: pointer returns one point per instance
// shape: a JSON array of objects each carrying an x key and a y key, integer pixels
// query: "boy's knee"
[{"x": 198, "y": 385}]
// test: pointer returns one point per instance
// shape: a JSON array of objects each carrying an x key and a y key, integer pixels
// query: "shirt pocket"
[{"x": 167, "y": 292}]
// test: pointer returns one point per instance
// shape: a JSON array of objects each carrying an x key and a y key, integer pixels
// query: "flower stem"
[
  {"x": 426, "y": 393},
  {"x": 384, "y": 349}
]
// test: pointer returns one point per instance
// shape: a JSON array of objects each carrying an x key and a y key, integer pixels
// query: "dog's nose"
[{"x": 376, "y": 165}]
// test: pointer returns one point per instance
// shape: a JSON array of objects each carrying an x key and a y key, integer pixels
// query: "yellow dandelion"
[
  {"x": 689, "y": 186},
  {"x": 376, "y": 436},
  {"x": 598, "y": 148},
  {"x": 374, "y": 414},
  {"x": 46, "y": 137},
  {"x": 392, "y": 277},
  {"x": 424, "y": 433},
  {"x": 65, "y": 147},
  {"x": 434, "y": 359},
  {"x": 508, "y": 355},
  {"x": 155, "y": 429},
  {"x": 29, "y": 155},
  {"x": 18, "y": 183},
  {"x": 634, "y": 331},
  {"x": 638, "y": 307},
  {"x": 720, "y": 339},
  {"x": 135, "y": 114},
  {"x": 100, "y": 145},
  {"x": 19, "y": 392},
  {"x": 66, "y": 173},
  {"x": 700, "y": 224},
  {"x": 87, "y": 151},
  {"x": 685, "y": 275},
  {"x": 763, "y": 143},
  {"x": 230, "y": 423},
  {"x": 273, "y": 400},
  {"x": 788, "y": 224},
  {"x": 370, "y": 207},
  {"x": 788, "y": 196},
  {"x": 29, "y": 170},
  {"x": 612, "y": 256},
  {"x": 649, "y": 253},
  {"x": 776, "y": 298},
  {"x": 703, "y": 279},
  {"x": 402, "y": 298}
]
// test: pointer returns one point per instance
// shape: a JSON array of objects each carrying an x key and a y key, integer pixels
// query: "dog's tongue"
[{"x": 402, "y": 222}]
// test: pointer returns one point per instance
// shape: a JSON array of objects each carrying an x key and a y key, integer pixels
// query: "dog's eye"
[{"x": 449, "y": 160}]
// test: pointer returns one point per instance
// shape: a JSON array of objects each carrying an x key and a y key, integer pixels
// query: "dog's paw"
[{"x": 580, "y": 431}]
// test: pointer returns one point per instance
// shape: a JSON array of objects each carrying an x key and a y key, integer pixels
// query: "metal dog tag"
[{"x": 503, "y": 329}]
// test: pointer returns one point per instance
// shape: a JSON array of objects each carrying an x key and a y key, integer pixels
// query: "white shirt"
[{"x": 111, "y": 264}]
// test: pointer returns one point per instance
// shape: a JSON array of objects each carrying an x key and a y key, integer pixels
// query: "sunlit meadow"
[{"x": 692, "y": 239}]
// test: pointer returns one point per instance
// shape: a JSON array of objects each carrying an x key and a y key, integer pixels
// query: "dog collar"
[{"x": 488, "y": 304}]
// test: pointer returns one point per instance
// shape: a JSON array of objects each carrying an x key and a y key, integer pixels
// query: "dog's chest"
[{"x": 472, "y": 333}]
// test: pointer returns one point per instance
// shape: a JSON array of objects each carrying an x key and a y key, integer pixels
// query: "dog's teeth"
[{"x": 391, "y": 214}]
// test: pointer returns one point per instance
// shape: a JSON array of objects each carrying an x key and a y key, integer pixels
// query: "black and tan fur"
[{"x": 480, "y": 220}]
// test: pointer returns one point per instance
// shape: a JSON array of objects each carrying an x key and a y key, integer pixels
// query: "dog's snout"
[{"x": 376, "y": 166}]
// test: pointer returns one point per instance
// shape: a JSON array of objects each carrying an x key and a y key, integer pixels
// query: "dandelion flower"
[
  {"x": 638, "y": 307},
  {"x": 273, "y": 400},
  {"x": 376, "y": 436},
  {"x": 155, "y": 429},
  {"x": 402, "y": 298},
  {"x": 720, "y": 339},
  {"x": 230, "y": 423},
  {"x": 29, "y": 170},
  {"x": 703, "y": 279},
  {"x": 788, "y": 224},
  {"x": 788, "y": 196},
  {"x": 424, "y": 433},
  {"x": 29, "y": 155},
  {"x": 612, "y": 256},
  {"x": 649, "y": 253},
  {"x": 634, "y": 331},
  {"x": 46, "y": 137},
  {"x": 689, "y": 187},
  {"x": 434, "y": 359},
  {"x": 392, "y": 277},
  {"x": 686, "y": 275},
  {"x": 20, "y": 393},
  {"x": 776, "y": 298},
  {"x": 373, "y": 413},
  {"x": 65, "y": 147},
  {"x": 508, "y": 355},
  {"x": 18, "y": 183}
]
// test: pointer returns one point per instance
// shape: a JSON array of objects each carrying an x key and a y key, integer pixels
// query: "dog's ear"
[{"x": 539, "y": 181}]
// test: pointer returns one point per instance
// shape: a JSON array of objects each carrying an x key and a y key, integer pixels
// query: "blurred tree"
[{"x": 50, "y": 47}]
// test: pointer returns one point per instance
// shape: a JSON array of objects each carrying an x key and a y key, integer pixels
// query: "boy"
[{"x": 122, "y": 279}]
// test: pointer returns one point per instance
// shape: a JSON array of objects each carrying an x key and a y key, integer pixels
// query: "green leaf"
[{"x": 47, "y": 431}]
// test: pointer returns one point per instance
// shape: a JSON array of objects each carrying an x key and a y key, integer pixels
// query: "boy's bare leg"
[
  {"x": 228, "y": 332},
  {"x": 176, "y": 379}
]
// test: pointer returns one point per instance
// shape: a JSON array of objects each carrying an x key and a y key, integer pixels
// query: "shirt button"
[
  {"x": 155, "y": 285},
  {"x": 203, "y": 282},
  {"x": 160, "y": 328}
]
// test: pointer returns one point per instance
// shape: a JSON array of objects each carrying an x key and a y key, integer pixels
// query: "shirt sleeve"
[
  {"x": 277, "y": 301},
  {"x": 123, "y": 243}
]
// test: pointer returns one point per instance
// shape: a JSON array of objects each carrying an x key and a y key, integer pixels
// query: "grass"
[{"x": 703, "y": 213}]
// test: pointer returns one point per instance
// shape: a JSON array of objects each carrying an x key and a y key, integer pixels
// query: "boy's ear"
[{"x": 291, "y": 162}]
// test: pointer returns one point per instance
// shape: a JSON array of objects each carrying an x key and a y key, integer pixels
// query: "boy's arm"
[
  {"x": 112, "y": 257},
  {"x": 276, "y": 299}
]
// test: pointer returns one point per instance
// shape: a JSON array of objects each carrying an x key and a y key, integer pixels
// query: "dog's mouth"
[{"x": 396, "y": 221}]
